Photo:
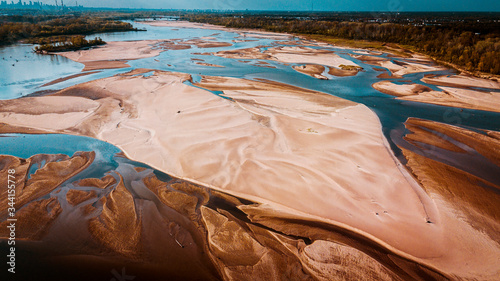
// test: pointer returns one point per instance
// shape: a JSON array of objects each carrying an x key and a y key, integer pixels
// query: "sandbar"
[
  {"x": 449, "y": 96},
  {"x": 304, "y": 156},
  {"x": 468, "y": 204}
]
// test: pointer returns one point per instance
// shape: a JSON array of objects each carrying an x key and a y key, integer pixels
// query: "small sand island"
[
  {"x": 226, "y": 178},
  {"x": 314, "y": 61}
]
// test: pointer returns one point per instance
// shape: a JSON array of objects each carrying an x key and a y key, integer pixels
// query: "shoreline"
[{"x": 182, "y": 146}]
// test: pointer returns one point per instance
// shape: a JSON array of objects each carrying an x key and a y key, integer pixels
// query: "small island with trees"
[
  {"x": 466, "y": 41},
  {"x": 65, "y": 43}
]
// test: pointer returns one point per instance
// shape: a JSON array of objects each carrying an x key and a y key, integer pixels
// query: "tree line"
[{"x": 455, "y": 43}]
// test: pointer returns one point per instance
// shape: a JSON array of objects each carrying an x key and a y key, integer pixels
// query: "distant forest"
[
  {"x": 36, "y": 28},
  {"x": 469, "y": 42},
  {"x": 66, "y": 43}
]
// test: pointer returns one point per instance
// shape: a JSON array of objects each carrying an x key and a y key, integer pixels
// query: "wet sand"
[
  {"x": 398, "y": 68},
  {"x": 59, "y": 80},
  {"x": 117, "y": 54},
  {"x": 312, "y": 70},
  {"x": 208, "y": 64},
  {"x": 247, "y": 53},
  {"x": 294, "y": 150},
  {"x": 172, "y": 227},
  {"x": 243, "y": 32},
  {"x": 342, "y": 72},
  {"x": 283, "y": 133},
  {"x": 308, "y": 55}
]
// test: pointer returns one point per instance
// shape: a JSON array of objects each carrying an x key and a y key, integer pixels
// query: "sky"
[{"x": 297, "y": 5}]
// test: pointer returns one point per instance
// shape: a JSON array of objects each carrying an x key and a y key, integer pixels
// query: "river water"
[{"x": 24, "y": 72}]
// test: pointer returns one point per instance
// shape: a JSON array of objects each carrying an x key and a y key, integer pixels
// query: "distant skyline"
[{"x": 295, "y": 5}]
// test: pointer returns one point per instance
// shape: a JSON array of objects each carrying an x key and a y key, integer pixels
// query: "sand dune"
[
  {"x": 298, "y": 142},
  {"x": 314, "y": 60},
  {"x": 244, "y": 33},
  {"x": 117, "y": 54},
  {"x": 312, "y": 70},
  {"x": 398, "y": 67},
  {"x": 308, "y": 55},
  {"x": 289, "y": 54}
]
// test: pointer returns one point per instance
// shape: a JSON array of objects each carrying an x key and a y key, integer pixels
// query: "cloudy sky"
[{"x": 325, "y": 5}]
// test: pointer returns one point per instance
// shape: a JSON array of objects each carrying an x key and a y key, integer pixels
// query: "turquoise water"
[{"x": 30, "y": 71}]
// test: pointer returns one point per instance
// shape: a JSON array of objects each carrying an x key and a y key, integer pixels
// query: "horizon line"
[{"x": 277, "y": 11}]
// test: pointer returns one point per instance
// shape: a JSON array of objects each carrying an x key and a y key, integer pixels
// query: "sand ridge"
[
  {"x": 116, "y": 54},
  {"x": 113, "y": 54}
]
